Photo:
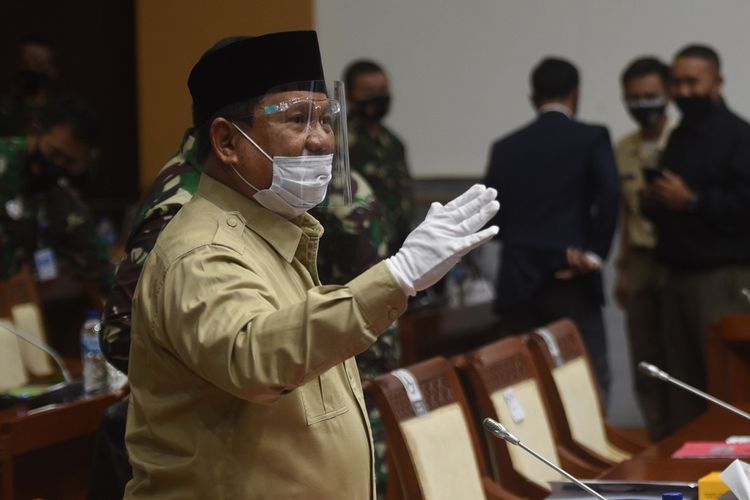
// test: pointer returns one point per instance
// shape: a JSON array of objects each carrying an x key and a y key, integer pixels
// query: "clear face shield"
[{"x": 307, "y": 126}]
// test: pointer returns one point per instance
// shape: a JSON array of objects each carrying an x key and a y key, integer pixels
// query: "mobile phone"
[{"x": 651, "y": 174}]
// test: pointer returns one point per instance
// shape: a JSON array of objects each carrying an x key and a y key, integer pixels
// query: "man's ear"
[{"x": 223, "y": 137}]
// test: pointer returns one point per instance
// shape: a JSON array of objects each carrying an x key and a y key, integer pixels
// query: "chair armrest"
[
  {"x": 579, "y": 467},
  {"x": 496, "y": 492},
  {"x": 588, "y": 455}
]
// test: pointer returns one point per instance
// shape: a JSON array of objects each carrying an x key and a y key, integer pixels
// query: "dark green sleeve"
[{"x": 170, "y": 191}]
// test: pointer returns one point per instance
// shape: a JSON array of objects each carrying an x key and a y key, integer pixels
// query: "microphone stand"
[
  {"x": 36, "y": 343},
  {"x": 64, "y": 391},
  {"x": 655, "y": 372},
  {"x": 498, "y": 430}
]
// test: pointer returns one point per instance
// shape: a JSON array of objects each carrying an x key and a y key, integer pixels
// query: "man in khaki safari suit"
[{"x": 242, "y": 369}]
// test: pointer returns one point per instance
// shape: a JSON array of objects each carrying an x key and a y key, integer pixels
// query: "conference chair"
[
  {"x": 569, "y": 382},
  {"x": 430, "y": 435},
  {"x": 504, "y": 384},
  {"x": 728, "y": 358}
]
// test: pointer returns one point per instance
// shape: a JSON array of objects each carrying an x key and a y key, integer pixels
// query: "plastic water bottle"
[{"x": 94, "y": 364}]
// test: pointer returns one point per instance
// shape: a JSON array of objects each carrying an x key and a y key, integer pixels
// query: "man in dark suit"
[{"x": 558, "y": 188}]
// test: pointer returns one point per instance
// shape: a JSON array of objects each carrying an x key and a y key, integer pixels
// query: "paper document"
[{"x": 713, "y": 449}]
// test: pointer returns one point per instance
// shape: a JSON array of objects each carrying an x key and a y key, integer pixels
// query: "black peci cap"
[{"x": 251, "y": 66}]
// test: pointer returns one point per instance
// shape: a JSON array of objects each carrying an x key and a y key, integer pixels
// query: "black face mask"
[
  {"x": 373, "y": 109},
  {"x": 48, "y": 172},
  {"x": 647, "y": 116},
  {"x": 694, "y": 108}
]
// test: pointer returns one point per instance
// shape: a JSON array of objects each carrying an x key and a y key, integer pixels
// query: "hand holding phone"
[{"x": 651, "y": 174}]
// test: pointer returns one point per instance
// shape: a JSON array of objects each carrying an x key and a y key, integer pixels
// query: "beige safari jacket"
[
  {"x": 630, "y": 163},
  {"x": 244, "y": 384}
]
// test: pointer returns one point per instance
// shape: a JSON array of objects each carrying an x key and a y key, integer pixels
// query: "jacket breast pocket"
[{"x": 324, "y": 396}]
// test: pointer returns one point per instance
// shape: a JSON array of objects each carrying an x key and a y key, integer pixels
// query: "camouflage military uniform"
[
  {"x": 381, "y": 159},
  {"x": 173, "y": 187},
  {"x": 16, "y": 115},
  {"x": 54, "y": 217},
  {"x": 354, "y": 240}
]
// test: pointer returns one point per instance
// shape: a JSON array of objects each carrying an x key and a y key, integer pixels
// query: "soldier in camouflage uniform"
[
  {"x": 375, "y": 151},
  {"x": 33, "y": 84},
  {"x": 354, "y": 240},
  {"x": 174, "y": 186},
  {"x": 43, "y": 222}
]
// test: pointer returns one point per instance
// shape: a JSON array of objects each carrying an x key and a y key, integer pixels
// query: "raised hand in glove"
[{"x": 448, "y": 233}]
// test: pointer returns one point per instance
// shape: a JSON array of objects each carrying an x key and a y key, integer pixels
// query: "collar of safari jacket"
[{"x": 282, "y": 234}]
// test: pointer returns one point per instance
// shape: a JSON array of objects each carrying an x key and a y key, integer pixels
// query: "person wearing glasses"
[{"x": 242, "y": 369}]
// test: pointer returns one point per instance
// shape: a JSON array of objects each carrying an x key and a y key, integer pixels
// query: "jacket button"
[{"x": 232, "y": 221}]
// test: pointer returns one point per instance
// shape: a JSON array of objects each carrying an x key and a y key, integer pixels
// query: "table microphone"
[
  {"x": 499, "y": 430},
  {"x": 64, "y": 391},
  {"x": 655, "y": 372}
]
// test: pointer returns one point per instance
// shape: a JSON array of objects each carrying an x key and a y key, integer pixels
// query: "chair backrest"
[
  {"x": 728, "y": 358},
  {"x": 19, "y": 304},
  {"x": 571, "y": 387},
  {"x": 429, "y": 432},
  {"x": 505, "y": 385}
]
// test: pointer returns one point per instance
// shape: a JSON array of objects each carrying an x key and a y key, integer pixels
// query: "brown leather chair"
[
  {"x": 570, "y": 384},
  {"x": 728, "y": 358},
  {"x": 503, "y": 382},
  {"x": 431, "y": 438}
]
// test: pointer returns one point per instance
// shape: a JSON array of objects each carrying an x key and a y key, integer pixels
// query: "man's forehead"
[
  {"x": 691, "y": 64},
  {"x": 61, "y": 136},
  {"x": 648, "y": 81}
]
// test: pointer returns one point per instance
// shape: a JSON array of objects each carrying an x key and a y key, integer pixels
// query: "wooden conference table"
[
  {"x": 48, "y": 453},
  {"x": 655, "y": 462}
]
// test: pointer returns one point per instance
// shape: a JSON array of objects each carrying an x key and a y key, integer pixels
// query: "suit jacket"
[{"x": 558, "y": 188}]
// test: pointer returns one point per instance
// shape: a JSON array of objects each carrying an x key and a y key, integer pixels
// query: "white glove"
[{"x": 448, "y": 233}]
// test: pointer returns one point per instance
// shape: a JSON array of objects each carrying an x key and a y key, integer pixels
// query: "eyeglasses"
[{"x": 303, "y": 112}]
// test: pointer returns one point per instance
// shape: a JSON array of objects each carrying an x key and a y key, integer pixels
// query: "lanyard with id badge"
[{"x": 45, "y": 260}]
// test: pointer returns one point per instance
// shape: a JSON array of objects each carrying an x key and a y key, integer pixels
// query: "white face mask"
[{"x": 299, "y": 182}]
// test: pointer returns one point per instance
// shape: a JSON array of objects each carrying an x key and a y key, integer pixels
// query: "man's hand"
[
  {"x": 123, "y": 392},
  {"x": 448, "y": 233},
  {"x": 579, "y": 262},
  {"x": 670, "y": 191}
]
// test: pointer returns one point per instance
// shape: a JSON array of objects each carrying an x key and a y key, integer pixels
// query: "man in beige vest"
[
  {"x": 242, "y": 369},
  {"x": 640, "y": 279}
]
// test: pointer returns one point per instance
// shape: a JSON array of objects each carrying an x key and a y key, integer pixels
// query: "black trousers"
[
  {"x": 111, "y": 470},
  {"x": 577, "y": 298}
]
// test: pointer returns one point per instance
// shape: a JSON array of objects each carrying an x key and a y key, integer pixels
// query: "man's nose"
[
  {"x": 319, "y": 141},
  {"x": 681, "y": 90}
]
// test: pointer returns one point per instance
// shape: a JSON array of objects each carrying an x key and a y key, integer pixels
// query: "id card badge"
[{"x": 46, "y": 264}]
